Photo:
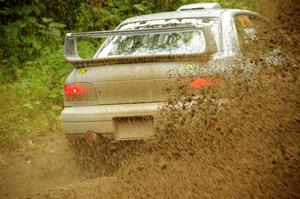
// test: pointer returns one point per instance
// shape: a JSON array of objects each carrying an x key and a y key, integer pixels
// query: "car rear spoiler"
[{"x": 71, "y": 53}]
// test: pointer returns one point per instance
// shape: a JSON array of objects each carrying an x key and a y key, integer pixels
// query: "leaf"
[
  {"x": 56, "y": 108},
  {"x": 7, "y": 11},
  {"x": 41, "y": 26},
  {"x": 13, "y": 60},
  {"x": 47, "y": 20},
  {"x": 139, "y": 7},
  {"x": 55, "y": 34},
  {"x": 53, "y": 96},
  {"x": 57, "y": 25},
  {"x": 30, "y": 20},
  {"x": 37, "y": 102},
  {"x": 28, "y": 105},
  {"x": 24, "y": 10},
  {"x": 36, "y": 45}
]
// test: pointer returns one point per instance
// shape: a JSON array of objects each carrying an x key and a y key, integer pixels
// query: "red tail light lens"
[
  {"x": 79, "y": 92},
  {"x": 201, "y": 82}
]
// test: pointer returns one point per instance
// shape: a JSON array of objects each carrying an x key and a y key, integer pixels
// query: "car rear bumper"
[{"x": 101, "y": 119}]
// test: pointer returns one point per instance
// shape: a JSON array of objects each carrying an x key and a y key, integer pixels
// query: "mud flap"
[{"x": 132, "y": 128}]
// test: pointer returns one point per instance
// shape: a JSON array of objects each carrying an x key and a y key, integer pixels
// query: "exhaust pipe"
[{"x": 91, "y": 137}]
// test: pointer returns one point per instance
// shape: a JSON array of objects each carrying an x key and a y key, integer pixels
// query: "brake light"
[
  {"x": 79, "y": 92},
  {"x": 201, "y": 82}
]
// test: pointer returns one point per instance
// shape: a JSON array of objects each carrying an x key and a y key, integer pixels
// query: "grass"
[{"x": 31, "y": 105}]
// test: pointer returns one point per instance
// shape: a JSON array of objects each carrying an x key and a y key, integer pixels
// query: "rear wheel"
[{"x": 103, "y": 157}]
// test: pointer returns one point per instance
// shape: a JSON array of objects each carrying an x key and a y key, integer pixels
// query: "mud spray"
[{"x": 246, "y": 146}]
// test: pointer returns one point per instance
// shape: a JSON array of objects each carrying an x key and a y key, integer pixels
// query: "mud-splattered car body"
[{"x": 118, "y": 95}]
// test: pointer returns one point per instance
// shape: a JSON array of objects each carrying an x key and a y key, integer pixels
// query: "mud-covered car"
[{"x": 117, "y": 92}]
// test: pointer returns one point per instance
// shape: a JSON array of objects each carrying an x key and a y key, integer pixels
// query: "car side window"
[
  {"x": 244, "y": 29},
  {"x": 259, "y": 38},
  {"x": 248, "y": 32}
]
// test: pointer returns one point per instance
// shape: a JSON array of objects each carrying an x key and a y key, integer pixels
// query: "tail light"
[
  {"x": 79, "y": 92},
  {"x": 201, "y": 82}
]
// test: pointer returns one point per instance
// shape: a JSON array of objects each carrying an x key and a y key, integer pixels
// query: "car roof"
[{"x": 176, "y": 14}]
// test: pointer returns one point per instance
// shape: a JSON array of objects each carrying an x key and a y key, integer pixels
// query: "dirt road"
[{"x": 35, "y": 165}]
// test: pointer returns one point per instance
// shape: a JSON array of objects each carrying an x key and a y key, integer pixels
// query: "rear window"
[
  {"x": 157, "y": 44},
  {"x": 190, "y": 42}
]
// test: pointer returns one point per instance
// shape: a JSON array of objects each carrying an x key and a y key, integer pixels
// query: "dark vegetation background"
[{"x": 32, "y": 69}]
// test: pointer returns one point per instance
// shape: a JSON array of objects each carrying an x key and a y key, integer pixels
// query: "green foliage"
[
  {"x": 91, "y": 17},
  {"x": 88, "y": 47},
  {"x": 32, "y": 104},
  {"x": 25, "y": 38}
]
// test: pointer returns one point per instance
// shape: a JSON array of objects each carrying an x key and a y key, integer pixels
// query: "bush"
[
  {"x": 32, "y": 104},
  {"x": 24, "y": 36}
]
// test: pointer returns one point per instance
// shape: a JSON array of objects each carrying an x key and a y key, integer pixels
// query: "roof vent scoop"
[{"x": 199, "y": 6}]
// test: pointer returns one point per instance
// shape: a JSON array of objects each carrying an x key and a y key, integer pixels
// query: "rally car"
[{"x": 117, "y": 93}]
